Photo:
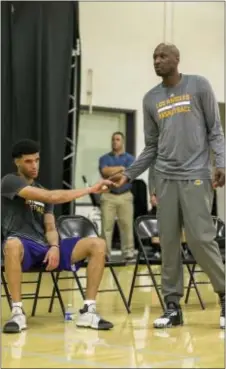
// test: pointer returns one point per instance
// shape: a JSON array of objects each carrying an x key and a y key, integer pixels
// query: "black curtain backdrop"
[
  {"x": 6, "y": 88},
  {"x": 37, "y": 42}
]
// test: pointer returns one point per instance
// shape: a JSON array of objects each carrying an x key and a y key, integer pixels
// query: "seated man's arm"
[
  {"x": 53, "y": 255},
  {"x": 51, "y": 233},
  {"x": 13, "y": 185}
]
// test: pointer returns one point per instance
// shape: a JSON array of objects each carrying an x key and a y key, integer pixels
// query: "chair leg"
[
  {"x": 120, "y": 289},
  {"x": 153, "y": 279},
  {"x": 6, "y": 289},
  {"x": 134, "y": 279},
  {"x": 79, "y": 285},
  {"x": 36, "y": 294},
  {"x": 58, "y": 293},
  {"x": 54, "y": 291},
  {"x": 189, "y": 283},
  {"x": 53, "y": 294},
  {"x": 192, "y": 281}
]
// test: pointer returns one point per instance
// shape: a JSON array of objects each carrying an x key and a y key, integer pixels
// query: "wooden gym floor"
[{"x": 133, "y": 343}]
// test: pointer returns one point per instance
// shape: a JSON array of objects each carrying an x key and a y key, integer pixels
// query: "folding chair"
[
  {"x": 220, "y": 238},
  {"x": 145, "y": 228},
  {"x": 146, "y": 231},
  {"x": 77, "y": 225}
]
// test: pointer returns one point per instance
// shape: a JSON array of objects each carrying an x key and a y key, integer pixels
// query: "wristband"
[{"x": 58, "y": 246}]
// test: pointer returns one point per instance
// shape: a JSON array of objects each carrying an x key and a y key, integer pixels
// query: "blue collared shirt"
[{"x": 112, "y": 160}]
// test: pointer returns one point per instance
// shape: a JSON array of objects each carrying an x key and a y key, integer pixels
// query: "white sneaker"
[
  {"x": 89, "y": 318},
  {"x": 17, "y": 323}
]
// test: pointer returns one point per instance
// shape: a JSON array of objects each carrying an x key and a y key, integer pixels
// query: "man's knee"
[
  {"x": 13, "y": 248},
  {"x": 98, "y": 246}
]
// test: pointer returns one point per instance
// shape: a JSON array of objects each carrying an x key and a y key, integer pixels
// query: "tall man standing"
[
  {"x": 119, "y": 201},
  {"x": 181, "y": 127}
]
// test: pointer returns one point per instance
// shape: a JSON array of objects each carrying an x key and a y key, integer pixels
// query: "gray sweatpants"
[{"x": 187, "y": 203}]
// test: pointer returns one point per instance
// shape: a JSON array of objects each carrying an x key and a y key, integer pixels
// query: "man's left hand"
[
  {"x": 219, "y": 177},
  {"x": 52, "y": 258}
]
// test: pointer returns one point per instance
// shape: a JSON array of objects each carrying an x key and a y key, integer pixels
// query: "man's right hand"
[
  {"x": 101, "y": 186},
  {"x": 153, "y": 200},
  {"x": 123, "y": 180},
  {"x": 219, "y": 178}
]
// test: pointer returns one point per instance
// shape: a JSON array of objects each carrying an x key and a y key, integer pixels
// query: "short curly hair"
[{"x": 25, "y": 147}]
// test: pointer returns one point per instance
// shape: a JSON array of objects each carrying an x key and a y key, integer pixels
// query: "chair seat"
[{"x": 152, "y": 261}]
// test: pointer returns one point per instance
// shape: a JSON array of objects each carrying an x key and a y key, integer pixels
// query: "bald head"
[
  {"x": 169, "y": 48},
  {"x": 166, "y": 59}
]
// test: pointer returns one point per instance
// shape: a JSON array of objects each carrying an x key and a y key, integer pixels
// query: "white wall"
[
  {"x": 118, "y": 39},
  {"x": 198, "y": 31}
]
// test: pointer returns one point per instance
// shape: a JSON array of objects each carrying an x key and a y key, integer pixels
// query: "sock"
[
  {"x": 89, "y": 302},
  {"x": 16, "y": 305}
]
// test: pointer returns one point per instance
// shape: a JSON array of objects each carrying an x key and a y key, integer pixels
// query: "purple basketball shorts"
[{"x": 34, "y": 254}]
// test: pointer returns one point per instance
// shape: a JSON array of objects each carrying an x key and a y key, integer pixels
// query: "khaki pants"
[{"x": 120, "y": 206}]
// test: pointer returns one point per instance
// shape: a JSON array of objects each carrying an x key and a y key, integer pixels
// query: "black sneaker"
[
  {"x": 89, "y": 318},
  {"x": 222, "y": 316},
  {"x": 172, "y": 317}
]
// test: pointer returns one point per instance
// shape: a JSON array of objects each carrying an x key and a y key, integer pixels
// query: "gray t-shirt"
[
  {"x": 181, "y": 126},
  {"x": 20, "y": 217}
]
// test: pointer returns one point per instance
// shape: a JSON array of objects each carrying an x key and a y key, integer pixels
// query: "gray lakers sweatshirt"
[{"x": 181, "y": 126}]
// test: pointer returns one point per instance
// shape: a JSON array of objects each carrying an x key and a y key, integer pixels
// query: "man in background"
[{"x": 119, "y": 201}]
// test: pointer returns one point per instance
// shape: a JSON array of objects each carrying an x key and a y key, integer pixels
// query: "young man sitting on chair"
[{"x": 31, "y": 237}]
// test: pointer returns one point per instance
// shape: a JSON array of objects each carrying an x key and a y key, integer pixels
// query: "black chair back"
[
  {"x": 75, "y": 226},
  {"x": 220, "y": 226},
  {"x": 140, "y": 201},
  {"x": 146, "y": 227}
]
